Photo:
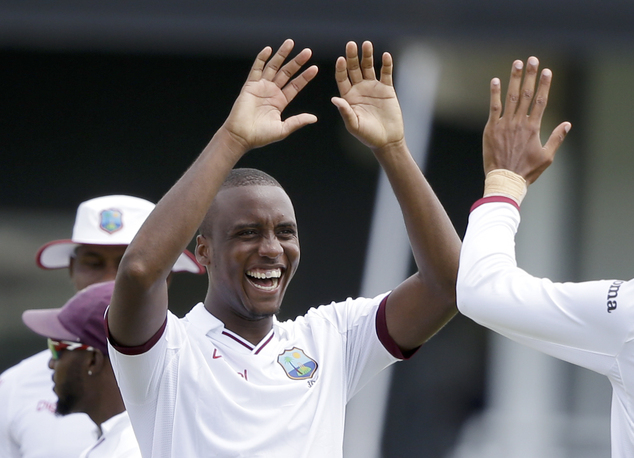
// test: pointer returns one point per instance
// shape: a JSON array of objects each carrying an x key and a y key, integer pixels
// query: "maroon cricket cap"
[{"x": 81, "y": 319}]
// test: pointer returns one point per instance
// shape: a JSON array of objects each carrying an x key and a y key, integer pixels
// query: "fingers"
[
  {"x": 341, "y": 76},
  {"x": 367, "y": 61},
  {"x": 387, "y": 69},
  {"x": 528, "y": 87},
  {"x": 541, "y": 98},
  {"x": 348, "y": 70},
  {"x": 280, "y": 74},
  {"x": 525, "y": 101},
  {"x": 260, "y": 61},
  {"x": 287, "y": 71},
  {"x": 275, "y": 63},
  {"x": 352, "y": 62},
  {"x": 512, "y": 94},
  {"x": 495, "y": 104},
  {"x": 297, "y": 84}
]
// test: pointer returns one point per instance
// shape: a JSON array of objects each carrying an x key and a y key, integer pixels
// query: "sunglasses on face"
[{"x": 57, "y": 346}]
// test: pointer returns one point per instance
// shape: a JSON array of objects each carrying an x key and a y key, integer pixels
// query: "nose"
[
  {"x": 51, "y": 363},
  {"x": 270, "y": 247}
]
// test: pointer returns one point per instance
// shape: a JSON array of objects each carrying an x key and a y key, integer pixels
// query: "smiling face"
[{"x": 251, "y": 252}]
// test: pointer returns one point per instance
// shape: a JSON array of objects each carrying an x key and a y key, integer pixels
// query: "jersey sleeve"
[
  {"x": 139, "y": 373},
  {"x": 364, "y": 352},
  {"x": 138, "y": 370},
  {"x": 583, "y": 323}
]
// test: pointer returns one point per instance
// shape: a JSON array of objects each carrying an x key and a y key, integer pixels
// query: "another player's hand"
[
  {"x": 368, "y": 106},
  {"x": 256, "y": 117},
  {"x": 511, "y": 140}
]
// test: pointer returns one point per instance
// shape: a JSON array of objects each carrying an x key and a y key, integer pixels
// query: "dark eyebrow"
[
  {"x": 287, "y": 224},
  {"x": 239, "y": 227}
]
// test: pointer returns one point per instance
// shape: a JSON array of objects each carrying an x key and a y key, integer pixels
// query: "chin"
[
  {"x": 65, "y": 406},
  {"x": 257, "y": 315}
]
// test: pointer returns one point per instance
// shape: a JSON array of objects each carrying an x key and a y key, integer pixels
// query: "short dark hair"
[
  {"x": 235, "y": 179},
  {"x": 248, "y": 177}
]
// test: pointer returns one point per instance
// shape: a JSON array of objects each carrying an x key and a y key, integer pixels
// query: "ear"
[
  {"x": 203, "y": 250},
  {"x": 97, "y": 363}
]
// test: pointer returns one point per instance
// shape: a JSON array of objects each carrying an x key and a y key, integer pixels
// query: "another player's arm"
[
  {"x": 488, "y": 275},
  {"x": 139, "y": 302},
  {"x": 422, "y": 304}
]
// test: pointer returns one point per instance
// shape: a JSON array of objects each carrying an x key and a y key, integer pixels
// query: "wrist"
[
  {"x": 232, "y": 144},
  {"x": 502, "y": 182},
  {"x": 394, "y": 147}
]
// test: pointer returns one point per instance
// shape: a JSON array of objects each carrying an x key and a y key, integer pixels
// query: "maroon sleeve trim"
[
  {"x": 140, "y": 349},
  {"x": 384, "y": 336},
  {"x": 486, "y": 200}
]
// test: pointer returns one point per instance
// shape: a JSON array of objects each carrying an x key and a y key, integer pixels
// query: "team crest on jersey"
[
  {"x": 111, "y": 220},
  {"x": 296, "y": 364}
]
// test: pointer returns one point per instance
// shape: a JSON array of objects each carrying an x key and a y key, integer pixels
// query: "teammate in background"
[
  {"x": 243, "y": 383},
  {"x": 589, "y": 324},
  {"x": 29, "y": 428},
  {"x": 82, "y": 374}
]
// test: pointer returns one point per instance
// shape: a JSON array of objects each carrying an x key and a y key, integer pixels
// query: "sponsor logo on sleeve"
[{"x": 613, "y": 293}]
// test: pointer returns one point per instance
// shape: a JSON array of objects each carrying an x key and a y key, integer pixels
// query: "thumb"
[
  {"x": 296, "y": 122},
  {"x": 346, "y": 112},
  {"x": 557, "y": 138}
]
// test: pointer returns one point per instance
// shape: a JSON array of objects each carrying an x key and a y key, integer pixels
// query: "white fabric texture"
[
  {"x": 589, "y": 324},
  {"x": 117, "y": 440},
  {"x": 203, "y": 391},
  {"x": 29, "y": 427}
]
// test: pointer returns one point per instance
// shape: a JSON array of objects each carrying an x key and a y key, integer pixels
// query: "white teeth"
[
  {"x": 276, "y": 273},
  {"x": 267, "y": 288}
]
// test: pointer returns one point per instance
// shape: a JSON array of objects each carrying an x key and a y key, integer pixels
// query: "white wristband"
[{"x": 501, "y": 182}]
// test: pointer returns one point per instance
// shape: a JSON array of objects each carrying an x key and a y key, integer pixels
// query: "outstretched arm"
[
  {"x": 423, "y": 303},
  {"x": 139, "y": 302},
  {"x": 577, "y": 322}
]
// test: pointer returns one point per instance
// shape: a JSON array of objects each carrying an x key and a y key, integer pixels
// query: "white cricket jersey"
[
  {"x": 590, "y": 324},
  {"x": 29, "y": 427},
  {"x": 202, "y": 390},
  {"x": 117, "y": 440}
]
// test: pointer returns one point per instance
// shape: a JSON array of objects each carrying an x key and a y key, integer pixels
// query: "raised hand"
[
  {"x": 511, "y": 140},
  {"x": 256, "y": 117},
  {"x": 368, "y": 106}
]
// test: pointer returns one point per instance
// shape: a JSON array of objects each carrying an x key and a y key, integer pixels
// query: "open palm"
[
  {"x": 368, "y": 105},
  {"x": 256, "y": 116}
]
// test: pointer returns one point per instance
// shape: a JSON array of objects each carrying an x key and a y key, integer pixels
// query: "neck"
[
  {"x": 252, "y": 332},
  {"x": 109, "y": 402},
  {"x": 252, "y": 329}
]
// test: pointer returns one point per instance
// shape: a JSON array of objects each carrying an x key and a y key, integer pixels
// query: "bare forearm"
[
  {"x": 422, "y": 304},
  {"x": 139, "y": 303},
  {"x": 179, "y": 213},
  {"x": 435, "y": 244}
]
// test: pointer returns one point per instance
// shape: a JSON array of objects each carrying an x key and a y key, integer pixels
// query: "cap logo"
[
  {"x": 111, "y": 220},
  {"x": 296, "y": 364}
]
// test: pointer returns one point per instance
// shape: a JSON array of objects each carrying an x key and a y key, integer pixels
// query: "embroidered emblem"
[
  {"x": 111, "y": 220},
  {"x": 296, "y": 364}
]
